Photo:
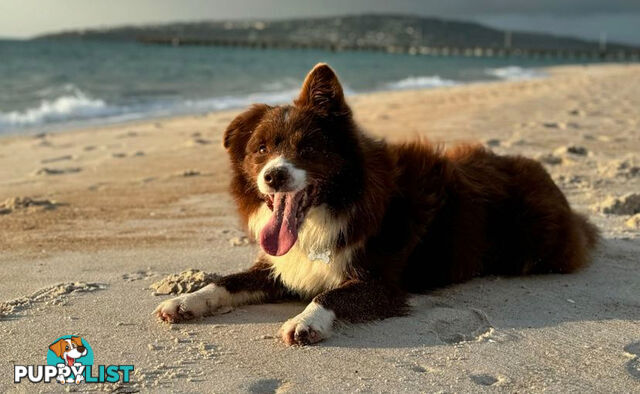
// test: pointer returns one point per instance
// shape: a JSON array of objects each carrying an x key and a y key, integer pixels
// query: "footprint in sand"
[
  {"x": 563, "y": 155},
  {"x": 138, "y": 275},
  {"x": 633, "y": 365},
  {"x": 56, "y": 159},
  {"x": 628, "y": 204},
  {"x": 554, "y": 125},
  {"x": 57, "y": 171},
  {"x": 122, "y": 155},
  {"x": 128, "y": 134},
  {"x": 266, "y": 386},
  {"x": 487, "y": 380},
  {"x": 97, "y": 186},
  {"x": 460, "y": 325},
  {"x": 550, "y": 159},
  {"x": 197, "y": 141},
  {"x": 188, "y": 173},
  {"x": 572, "y": 150},
  {"x": 26, "y": 203},
  {"x": 412, "y": 366},
  {"x": 418, "y": 368}
]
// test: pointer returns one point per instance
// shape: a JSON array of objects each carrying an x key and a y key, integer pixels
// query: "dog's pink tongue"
[{"x": 281, "y": 231}]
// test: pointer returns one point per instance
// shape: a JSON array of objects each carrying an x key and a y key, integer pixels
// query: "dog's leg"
[
  {"x": 252, "y": 286},
  {"x": 354, "y": 301}
]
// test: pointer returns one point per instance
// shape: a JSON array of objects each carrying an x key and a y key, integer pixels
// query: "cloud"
[
  {"x": 548, "y": 7},
  {"x": 18, "y": 19}
]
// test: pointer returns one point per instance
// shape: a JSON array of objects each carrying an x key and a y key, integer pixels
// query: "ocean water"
[{"x": 54, "y": 85}]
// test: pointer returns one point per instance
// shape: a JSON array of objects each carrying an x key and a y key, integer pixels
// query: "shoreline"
[
  {"x": 517, "y": 73},
  {"x": 536, "y": 73},
  {"x": 91, "y": 218}
]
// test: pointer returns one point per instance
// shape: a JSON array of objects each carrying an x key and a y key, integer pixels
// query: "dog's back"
[{"x": 468, "y": 212}]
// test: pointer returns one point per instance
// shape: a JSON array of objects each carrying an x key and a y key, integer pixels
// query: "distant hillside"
[{"x": 338, "y": 32}]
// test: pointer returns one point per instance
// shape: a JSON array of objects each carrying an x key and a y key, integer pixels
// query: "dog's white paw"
[
  {"x": 185, "y": 307},
  {"x": 311, "y": 326}
]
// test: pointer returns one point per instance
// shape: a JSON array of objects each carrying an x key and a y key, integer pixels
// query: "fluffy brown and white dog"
[{"x": 354, "y": 223}]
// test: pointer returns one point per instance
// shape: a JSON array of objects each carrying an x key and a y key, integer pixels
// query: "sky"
[{"x": 619, "y": 19}]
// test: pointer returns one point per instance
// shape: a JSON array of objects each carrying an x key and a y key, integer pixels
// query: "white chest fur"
[{"x": 312, "y": 265}]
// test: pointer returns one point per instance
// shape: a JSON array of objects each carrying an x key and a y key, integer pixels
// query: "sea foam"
[
  {"x": 514, "y": 73},
  {"x": 76, "y": 105},
  {"x": 421, "y": 82}
]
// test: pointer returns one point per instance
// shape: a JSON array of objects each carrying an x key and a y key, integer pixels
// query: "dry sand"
[{"x": 89, "y": 219}]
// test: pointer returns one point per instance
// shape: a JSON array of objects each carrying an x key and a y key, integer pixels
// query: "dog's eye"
[
  {"x": 262, "y": 149},
  {"x": 66, "y": 347}
]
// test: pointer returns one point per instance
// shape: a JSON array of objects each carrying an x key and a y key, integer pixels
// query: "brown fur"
[
  {"x": 60, "y": 346},
  {"x": 418, "y": 216}
]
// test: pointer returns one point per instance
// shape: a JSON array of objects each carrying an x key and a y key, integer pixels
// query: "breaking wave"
[
  {"x": 514, "y": 73},
  {"x": 433, "y": 81},
  {"x": 76, "y": 105}
]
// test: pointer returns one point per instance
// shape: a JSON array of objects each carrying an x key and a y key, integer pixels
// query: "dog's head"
[
  {"x": 69, "y": 349},
  {"x": 296, "y": 156}
]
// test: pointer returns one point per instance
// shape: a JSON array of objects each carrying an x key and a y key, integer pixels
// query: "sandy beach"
[{"x": 91, "y": 218}]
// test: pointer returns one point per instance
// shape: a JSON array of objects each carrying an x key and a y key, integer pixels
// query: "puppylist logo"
[{"x": 70, "y": 361}]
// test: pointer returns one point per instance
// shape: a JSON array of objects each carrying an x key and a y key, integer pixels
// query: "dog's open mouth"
[{"x": 289, "y": 209}]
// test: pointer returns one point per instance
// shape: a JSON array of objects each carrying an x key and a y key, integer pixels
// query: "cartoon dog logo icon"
[{"x": 69, "y": 350}]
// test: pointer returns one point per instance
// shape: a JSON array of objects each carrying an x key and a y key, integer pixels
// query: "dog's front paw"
[
  {"x": 182, "y": 308},
  {"x": 311, "y": 326},
  {"x": 295, "y": 332}
]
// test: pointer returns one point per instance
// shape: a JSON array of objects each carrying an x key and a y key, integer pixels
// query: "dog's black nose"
[
  {"x": 276, "y": 178},
  {"x": 81, "y": 349}
]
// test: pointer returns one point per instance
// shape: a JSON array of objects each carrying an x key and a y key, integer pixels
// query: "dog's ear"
[
  {"x": 322, "y": 92},
  {"x": 239, "y": 130},
  {"x": 77, "y": 341},
  {"x": 58, "y": 347}
]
